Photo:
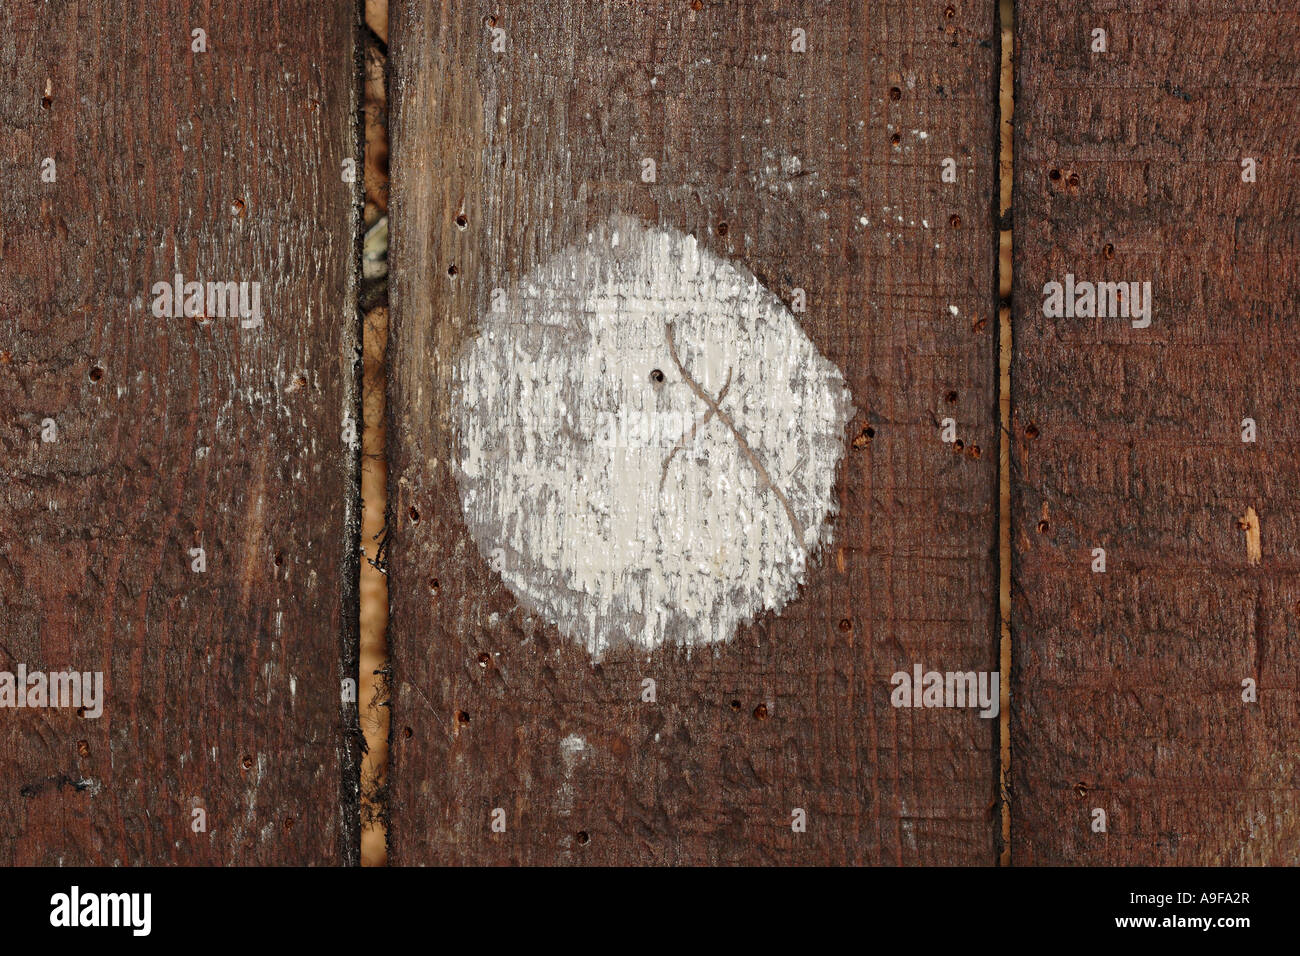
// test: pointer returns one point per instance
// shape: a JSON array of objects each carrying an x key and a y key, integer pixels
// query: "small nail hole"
[
  {"x": 895, "y": 93},
  {"x": 461, "y": 221},
  {"x": 895, "y": 139},
  {"x": 1031, "y": 431},
  {"x": 247, "y": 762},
  {"x": 949, "y": 12},
  {"x": 279, "y": 558},
  {"x": 408, "y": 733},
  {"x": 415, "y": 514},
  {"x": 951, "y": 397},
  {"x": 958, "y": 445},
  {"x": 583, "y": 837},
  {"x": 237, "y": 207},
  {"x": 955, "y": 222},
  {"x": 1108, "y": 251},
  {"x": 462, "y": 717},
  {"x": 760, "y": 712},
  {"x": 1073, "y": 180},
  {"x": 1042, "y": 527},
  {"x": 83, "y": 748},
  {"x": 722, "y": 229},
  {"x": 1054, "y": 175},
  {"x": 96, "y": 374},
  {"x": 657, "y": 376},
  {"x": 484, "y": 659},
  {"x": 735, "y": 705},
  {"x": 846, "y": 625},
  {"x": 434, "y": 586},
  {"x": 452, "y": 270}
]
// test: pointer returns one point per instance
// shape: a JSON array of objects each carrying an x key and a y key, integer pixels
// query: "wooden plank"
[
  {"x": 221, "y": 687},
  {"x": 817, "y": 170},
  {"x": 1128, "y": 684}
]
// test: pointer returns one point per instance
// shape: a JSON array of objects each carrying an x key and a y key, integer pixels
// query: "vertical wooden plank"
[
  {"x": 221, "y": 683},
  {"x": 1128, "y": 683},
  {"x": 517, "y": 133}
]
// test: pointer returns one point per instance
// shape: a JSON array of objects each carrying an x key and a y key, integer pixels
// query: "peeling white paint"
[
  {"x": 647, "y": 441},
  {"x": 571, "y": 746}
]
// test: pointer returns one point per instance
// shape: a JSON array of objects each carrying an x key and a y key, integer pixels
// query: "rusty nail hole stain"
[
  {"x": 958, "y": 445},
  {"x": 846, "y": 624},
  {"x": 1108, "y": 251},
  {"x": 247, "y": 762},
  {"x": 657, "y": 376},
  {"x": 484, "y": 659},
  {"x": 735, "y": 705},
  {"x": 434, "y": 585},
  {"x": 300, "y": 381},
  {"x": 1073, "y": 180},
  {"x": 490, "y": 20},
  {"x": 461, "y": 221},
  {"x": 1042, "y": 527},
  {"x": 452, "y": 270},
  {"x": 408, "y": 733},
  {"x": 1031, "y": 431},
  {"x": 96, "y": 374},
  {"x": 760, "y": 712},
  {"x": 697, "y": 4},
  {"x": 237, "y": 207},
  {"x": 974, "y": 451},
  {"x": 81, "y": 712},
  {"x": 955, "y": 222},
  {"x": 83, "y": 748},
  {"x": 722, "y": 228},
  {"x": 45, "y": 102},
  {"x": 288, "y": 823},
  {"x": 895, "y": 139},
  {"x": 462, "y": 717},
  {"x": 583, "y": 837},
  {"x": 949, "y": 12},
  {"x": 415, "y": 514},
  {"x": 951, "y": 397},
  {"x": 1054, "y": 175},
  {"x": 279, "y": 558},
  {"x": 895, "y": 93},
  {"x": 979, "y": 325}
]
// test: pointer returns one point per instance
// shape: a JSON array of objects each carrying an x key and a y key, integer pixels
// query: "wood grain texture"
[
  {"x": 534, "y": 145},
  {"x": 223, "y": 687},
  {"x": 1128, "y": 684}
]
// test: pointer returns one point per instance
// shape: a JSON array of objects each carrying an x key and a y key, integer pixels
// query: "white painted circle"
[{"x": 647, "y": 442}]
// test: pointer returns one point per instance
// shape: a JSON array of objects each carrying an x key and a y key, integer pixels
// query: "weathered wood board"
[
  {"x": 517, "y": 132},
  {"x": 132, "y": 438},
  {"x": 1128, "y": 437}
]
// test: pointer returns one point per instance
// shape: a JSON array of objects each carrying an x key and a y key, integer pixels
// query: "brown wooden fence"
[
  {"x": 179, "y": 505},
  {"x": 180, "y": 510}
]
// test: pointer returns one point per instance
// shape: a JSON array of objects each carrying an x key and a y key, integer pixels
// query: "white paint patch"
[
  {"x": 647, "y": 441},
  {"x": 571, "y": 746}
]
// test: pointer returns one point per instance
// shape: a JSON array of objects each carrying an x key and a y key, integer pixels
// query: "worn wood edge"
[{"x": 351, "y": 741}]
